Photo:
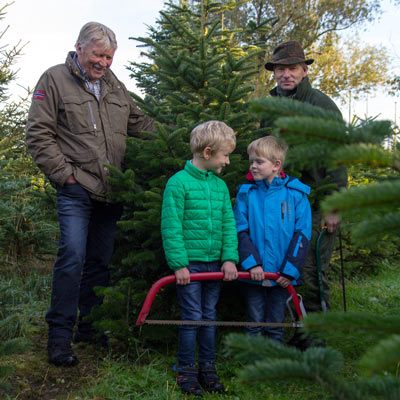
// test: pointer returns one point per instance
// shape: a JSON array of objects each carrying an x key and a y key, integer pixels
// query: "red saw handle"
[{"x": 207, "y": 276}]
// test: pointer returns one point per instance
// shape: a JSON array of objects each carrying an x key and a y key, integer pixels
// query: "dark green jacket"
[
  {"x": 197, "y": 222},
  {"x": 307, "y": 94},
  {"x": 317, "y": 176}
]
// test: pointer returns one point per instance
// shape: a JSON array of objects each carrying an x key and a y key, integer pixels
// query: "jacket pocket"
[
  {"x": 118, "y": 112},
  {"x": 80, "y": 115}
]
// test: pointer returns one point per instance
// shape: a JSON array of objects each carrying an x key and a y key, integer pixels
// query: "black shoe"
[
  {"x": 187, "y": 381},
  {"x": 100, "y": 340},
  {"x": 61, "y": 355},
  {"x": 209, "y": 380}
]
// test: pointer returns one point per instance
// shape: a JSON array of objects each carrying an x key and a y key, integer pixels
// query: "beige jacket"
[{"x": 70, "y": 132}]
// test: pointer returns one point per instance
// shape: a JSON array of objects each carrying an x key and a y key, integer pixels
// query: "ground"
[{"x": 147, "y": 374}]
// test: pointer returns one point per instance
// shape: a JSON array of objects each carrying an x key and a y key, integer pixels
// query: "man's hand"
[
  {"x": 70, "y": 180},
  {"x": 182, "y": 276},
  {"x": 257, "y": 273},
  {"x": 284, "y": 282},
  {"x": 229, "y": 270},
  {"x": 331, "y": 222}
]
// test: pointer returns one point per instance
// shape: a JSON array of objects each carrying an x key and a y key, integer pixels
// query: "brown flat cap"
[{"x": 288, "y": 53}]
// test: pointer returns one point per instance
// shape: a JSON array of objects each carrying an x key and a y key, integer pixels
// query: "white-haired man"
[{"x": 77, "y": 126}]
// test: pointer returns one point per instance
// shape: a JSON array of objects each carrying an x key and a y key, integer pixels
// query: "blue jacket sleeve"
[
  {"x": 298, "y": 247},
  {"x": 248, "y": 254}
]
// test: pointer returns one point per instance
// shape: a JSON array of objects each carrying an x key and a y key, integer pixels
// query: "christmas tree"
[{"x": 196, "y": 71}]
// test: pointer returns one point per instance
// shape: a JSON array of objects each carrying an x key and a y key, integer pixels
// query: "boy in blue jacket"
[{"x": 273, "y": 220}]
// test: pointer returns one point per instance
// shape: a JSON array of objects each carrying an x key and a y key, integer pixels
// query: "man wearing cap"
[{"x": 290, "y": 69}]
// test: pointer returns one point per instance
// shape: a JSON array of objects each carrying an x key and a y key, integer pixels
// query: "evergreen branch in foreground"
[
  {"x": 352, "y": 322},
  {"x": 364, "y": 199},
  {"x": 372, "y": 155},
  {"x": 272, "y": 108},
  {"x": 385, "y": 356},
  {"x": 376, "y": 227}
]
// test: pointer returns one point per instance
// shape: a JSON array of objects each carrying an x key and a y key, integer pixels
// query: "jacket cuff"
[{"x": 249, "y": 263}]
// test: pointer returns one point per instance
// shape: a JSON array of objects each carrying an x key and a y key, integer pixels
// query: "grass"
[{"x": 148, "y": 374}]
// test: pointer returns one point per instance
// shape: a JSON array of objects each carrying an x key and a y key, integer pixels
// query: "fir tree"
[
  {"x": 196, "y": 73},
  {"x": 319, "y": 138}
]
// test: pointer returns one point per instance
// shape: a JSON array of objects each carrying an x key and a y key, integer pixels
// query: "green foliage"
[
  {"x": 372, "y": 209},
  {"x": 385, "y": 356},
  {"x": 319, "y": 365},
  {"x": 321, "y": 140},
  {"x": 197, "y": 72},
  {"x": 21, "y": 300},
  {"x": 341, "y": 65},
  {"x": 27, "y": 227}
]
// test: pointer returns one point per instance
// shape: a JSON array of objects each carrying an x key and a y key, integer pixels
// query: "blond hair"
[
  {"x": 94, "y": 32},
  {"x": 213, "y": 134},
  {"x": 269, "y": 147}
]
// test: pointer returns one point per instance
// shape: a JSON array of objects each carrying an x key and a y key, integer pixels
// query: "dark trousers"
[
  {"x": 198, "y": 301},
  {"x": 265, "y": 304},
  {"x": 311, "y": 290},
  {"x": 87, "y": 230}
]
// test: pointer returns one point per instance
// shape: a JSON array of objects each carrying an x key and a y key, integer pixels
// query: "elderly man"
[
  {"x": 77, "y": 126},
  {"x": 290, "y": 69}
]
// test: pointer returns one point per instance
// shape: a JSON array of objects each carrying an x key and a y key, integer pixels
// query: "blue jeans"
[
  {"x": 198, "y": 301},
  {"x": 87, "y": 229},
  {"x": 265, "y": 304}
]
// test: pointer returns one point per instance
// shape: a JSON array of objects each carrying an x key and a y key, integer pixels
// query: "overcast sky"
[{"x": 50, "y": 28}]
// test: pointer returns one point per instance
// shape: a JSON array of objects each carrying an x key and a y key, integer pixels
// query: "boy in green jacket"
[{"x": 199, "y": 235}]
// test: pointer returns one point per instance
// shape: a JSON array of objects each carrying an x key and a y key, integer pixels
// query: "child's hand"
[
  {"x": 257, "y": 273},
  {"x": 284, "y": 282},
  {"x": 182, "y": 276},
  {"x": 229, "y": 270}
]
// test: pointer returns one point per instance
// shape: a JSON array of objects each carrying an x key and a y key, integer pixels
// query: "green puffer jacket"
[{"x": 197, "y": 222}]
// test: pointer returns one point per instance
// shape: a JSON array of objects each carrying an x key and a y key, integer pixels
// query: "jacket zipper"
[
  {"x": 209, "y": 216},
  {"x": 92, "y": 117}
]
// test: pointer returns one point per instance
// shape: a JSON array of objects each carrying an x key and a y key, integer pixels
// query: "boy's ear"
[
  {"x": 278, "y": 164},
  {"x": 207, "y": 152}
]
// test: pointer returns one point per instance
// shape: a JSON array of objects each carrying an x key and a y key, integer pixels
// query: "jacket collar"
[
  {"x": 196, "y": 172},
  {"x": 276, "y": 183},
  {"x": 301, "y": 91}
]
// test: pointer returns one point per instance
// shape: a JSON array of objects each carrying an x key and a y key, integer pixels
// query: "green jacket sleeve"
[
  {"x": 171, "y": 225},
  {"x": 229, "y": 235}
]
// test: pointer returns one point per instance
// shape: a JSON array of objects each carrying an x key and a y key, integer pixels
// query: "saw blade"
[{"x": 295, "y": 324}]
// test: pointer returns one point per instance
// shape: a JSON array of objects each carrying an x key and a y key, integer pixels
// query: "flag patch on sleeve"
[{"x": 39, "y": 94}]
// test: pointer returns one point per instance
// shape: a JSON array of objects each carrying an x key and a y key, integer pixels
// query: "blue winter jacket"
[{"x": 273, "y": 221}]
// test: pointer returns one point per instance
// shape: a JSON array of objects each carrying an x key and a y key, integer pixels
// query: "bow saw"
[{"x": 206, "y": 276}]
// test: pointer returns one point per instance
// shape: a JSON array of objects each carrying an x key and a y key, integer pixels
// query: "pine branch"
[
  {"x": 272, "y": 108},
  {"x": 372, "y": 155},
  {"x": 352, "y": 322},
  {"x": 367, "y": 231},
  {"x": 312, "y": 129},
  {"x": 364, "y": 199},
  {"x": 385, "y": 356},
  {"x": 371, "y": 132},
  {"x": 383, "y": 387},
  {"x": 253, "y": 348}
]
